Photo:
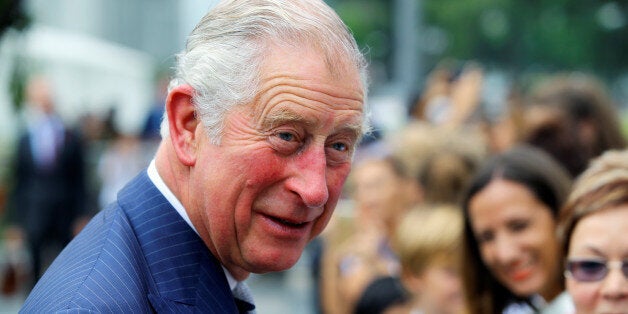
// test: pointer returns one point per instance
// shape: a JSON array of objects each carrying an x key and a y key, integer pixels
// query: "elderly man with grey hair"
[{"x": 261, "y": 121}]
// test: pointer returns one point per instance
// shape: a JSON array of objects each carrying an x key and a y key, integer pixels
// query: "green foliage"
[
  {"x": 369, "y": 20},
  {"x": 17, "y": 85},
  {"x": 548, "y": 34},
  {"x": 12, "y": 15}
]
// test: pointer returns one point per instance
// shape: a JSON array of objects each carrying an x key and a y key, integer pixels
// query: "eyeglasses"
[{"x": 589, "y": 270}]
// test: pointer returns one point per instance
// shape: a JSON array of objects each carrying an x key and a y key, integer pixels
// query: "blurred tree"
[
  {"x": 519, "y": 36},
  {"x": 370, "y": 22},
  {"x": 13, "y": 15},
  {"x": 17, "y": 83},
  {"x": 533, "y": 35}
]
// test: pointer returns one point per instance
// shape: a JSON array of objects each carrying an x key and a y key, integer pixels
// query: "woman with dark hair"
[
  {"x": 511, "y": 252},
  {"x": 572, "y": 117}
]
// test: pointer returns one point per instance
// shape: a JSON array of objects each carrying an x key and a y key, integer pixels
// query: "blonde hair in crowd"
[
  {"x": 602, "y": 186},
  {"x": 428, "y": 235}
]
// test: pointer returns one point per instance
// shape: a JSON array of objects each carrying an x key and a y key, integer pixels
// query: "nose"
[
  {"x": 615, "y": 285},
  {"x": 505, "y": 249},
  {"x": 309, "y": 179}
]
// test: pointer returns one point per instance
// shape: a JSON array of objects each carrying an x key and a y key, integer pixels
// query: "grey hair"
[{"x": 223, "y": 53}]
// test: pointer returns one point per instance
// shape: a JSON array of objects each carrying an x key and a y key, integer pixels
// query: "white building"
[{"x": 97, "y": 53}]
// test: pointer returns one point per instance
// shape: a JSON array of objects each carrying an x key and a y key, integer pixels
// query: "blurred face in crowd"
[
  {"x": 555, "y": 132},
  {"x": 379, "y": 190},
  {"x": 441, "y": 291},
  {"x": 515, "y": 234},
  {"x": 597, "y": 240},
  {"x": 39, "y": 95},
  {"x": 272, "y": 183}
]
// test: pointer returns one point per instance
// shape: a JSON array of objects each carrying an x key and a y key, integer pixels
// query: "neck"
[
  {"x": 552, "y": 291},
  {"x": 171, "y": 170}
]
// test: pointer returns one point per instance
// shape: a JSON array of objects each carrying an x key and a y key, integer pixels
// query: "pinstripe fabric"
[{"x": 136, "y": 256}]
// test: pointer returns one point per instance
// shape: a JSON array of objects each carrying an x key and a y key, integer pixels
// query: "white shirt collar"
[
  {"x": 163, "y": 188},
  {"x": 230, "y": 279}
]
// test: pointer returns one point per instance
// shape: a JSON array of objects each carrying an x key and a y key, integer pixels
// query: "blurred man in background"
[{"x": 49, "y": 177}]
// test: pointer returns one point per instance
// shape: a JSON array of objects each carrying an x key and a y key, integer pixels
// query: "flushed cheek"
[
  {"x": 260, "y": 166},
  {"x": 254, "y": 174},
  {"x": 263, "y": 177},
  {"x": 336, "y": 179},
  {"x": 583, "y": 296}
]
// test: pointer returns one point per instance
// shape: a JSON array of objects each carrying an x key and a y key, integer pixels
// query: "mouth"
[
  {"x": 287, "y": 223},
  {"x": 521, "y": 272},
  {"x": 286, "y": 228}
]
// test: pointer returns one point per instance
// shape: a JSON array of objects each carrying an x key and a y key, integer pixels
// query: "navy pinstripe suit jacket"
[{"x": 136, "y": 256}]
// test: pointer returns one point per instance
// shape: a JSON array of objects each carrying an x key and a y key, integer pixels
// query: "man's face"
[{"x": 274, "y": 180}]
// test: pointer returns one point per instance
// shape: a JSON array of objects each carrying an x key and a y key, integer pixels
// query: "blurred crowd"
[
  {"x": 61, "y": 175},
  {"x": 457, "y": 212}
]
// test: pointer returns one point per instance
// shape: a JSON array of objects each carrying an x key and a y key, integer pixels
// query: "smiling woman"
[
  {"x": 510, "y": 248},
  {"x": 593, "y": 228}
]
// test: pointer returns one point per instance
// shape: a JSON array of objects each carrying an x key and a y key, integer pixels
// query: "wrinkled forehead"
[
  {"x": 295, "y": 73},
  {"x": 338, "y": 60},
  {"x": 308, "y": 66}
]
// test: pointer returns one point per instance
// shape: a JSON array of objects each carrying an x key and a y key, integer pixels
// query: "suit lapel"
[{"x": 184, "y": 273}]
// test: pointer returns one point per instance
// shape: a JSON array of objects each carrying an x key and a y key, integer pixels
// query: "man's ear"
[{"x": 183, "y": 123}]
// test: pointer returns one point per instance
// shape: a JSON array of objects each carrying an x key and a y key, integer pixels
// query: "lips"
[
  {"x": 521, "y": 275},
  {"x": 521, "y": 272},
  {"x": 285, "y": 228},
  {"x": 287, "y": 223}
]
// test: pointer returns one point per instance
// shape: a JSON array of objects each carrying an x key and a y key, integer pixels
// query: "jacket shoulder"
[{"x": 101, "y": 269}]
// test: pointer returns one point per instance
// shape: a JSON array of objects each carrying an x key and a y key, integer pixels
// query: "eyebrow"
[
  {"x": 594, "y": 250},
  {"x": 285, "y": 116},
  {"x": 355, "y": 129}
]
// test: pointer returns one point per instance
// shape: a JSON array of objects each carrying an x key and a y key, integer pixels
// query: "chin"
[
  {"x": 274, "y": 263},
  {"x": 526, "y": 289}
]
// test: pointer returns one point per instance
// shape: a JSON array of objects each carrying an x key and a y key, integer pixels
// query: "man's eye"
[
  {"x": 338, "y": 152},
  {"x": 341, "y": 147},
  {"x": 286, "y": 142},
  {"x": 288, "y": 137}
]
